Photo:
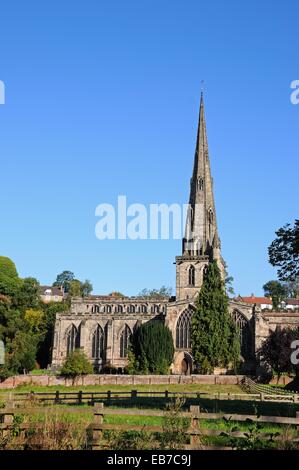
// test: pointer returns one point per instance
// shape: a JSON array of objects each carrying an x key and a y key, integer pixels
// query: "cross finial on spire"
[{"x": 202, "y": 87}]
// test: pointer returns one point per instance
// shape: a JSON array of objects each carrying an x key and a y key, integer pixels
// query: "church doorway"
[
  {"x": 186, "y": 365},
  {"x": 182, "y": 363}
]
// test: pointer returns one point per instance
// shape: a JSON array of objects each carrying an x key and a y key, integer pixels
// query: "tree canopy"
[
  {"x": 276, "y": 291},
  {"x": 284, "y": 252},
  {"x": 276, "y": 350},
  {"x": 26, "y": 323},
  {"x": 214, "y": 338},
  {"x": 162, "y": 293}
]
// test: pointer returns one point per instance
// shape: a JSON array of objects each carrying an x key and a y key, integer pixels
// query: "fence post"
[
  {"x": 98, "y": 418},
  {"x": 134, "y": 393},
  {"x": 262, "y": 396},
  {"x": 80, "y": 397},
  {"x": 166, "y": 393},
  {"x": 194, "y": 424},
  {"x": 7, "y": 419},
  {"x": 57, "y": 397},
  {"x": 109, "y": 395}
]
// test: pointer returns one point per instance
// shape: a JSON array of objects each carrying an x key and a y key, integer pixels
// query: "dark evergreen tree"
[
  {"x": 153, "y": 349},
  {"x": 214, "y": 338}
]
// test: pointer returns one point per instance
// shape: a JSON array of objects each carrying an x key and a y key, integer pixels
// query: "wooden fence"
[
  {"x": 91, "y": 398},
  {"x": 98, "y": 425}
]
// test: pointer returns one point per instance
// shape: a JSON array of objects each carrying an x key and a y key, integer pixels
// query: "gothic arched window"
[
  {"x": 98, "y": 343},
  {"x": 191, "y": 275},
  {"x": 108, "y": 308},
  {"x": 244, "y": 333},
  {"x": 131, "y": 309},
  {"x": 183, "y": 330},
  {"x": 124, "y": 342},
  {"x": 119, "y": 309},
  {"x": 72, "y": 339},
  {"x": 143, "y": 308}
]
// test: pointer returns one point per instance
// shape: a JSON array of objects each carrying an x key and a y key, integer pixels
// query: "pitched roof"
[
  {"x": 54, "y": 290},
  {"x": 255, "y": 300},
  {"x": 292, "y": 301}
]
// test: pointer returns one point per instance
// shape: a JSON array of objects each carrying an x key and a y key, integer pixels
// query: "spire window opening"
[{"x": 191, "y": 275}]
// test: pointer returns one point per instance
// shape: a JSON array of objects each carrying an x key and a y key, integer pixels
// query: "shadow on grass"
[{"x": 209, "y": 405}]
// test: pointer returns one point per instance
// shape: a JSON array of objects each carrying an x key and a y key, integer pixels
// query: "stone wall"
[{"x": 50, "y": 380}]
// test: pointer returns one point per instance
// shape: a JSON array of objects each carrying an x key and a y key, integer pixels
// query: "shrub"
[
  {"x": 152, "y": 347},
  {"x": 76, "y": 365}
]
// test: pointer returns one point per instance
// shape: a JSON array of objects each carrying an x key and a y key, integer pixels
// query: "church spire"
[{"x": 201, "y": 227}]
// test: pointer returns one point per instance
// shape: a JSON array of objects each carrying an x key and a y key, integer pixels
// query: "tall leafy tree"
[
  {"x": 284, "y": 252},
  {"x": 276, "y": 350},
  {"x": 9, "y": 278},
  {"x": 64, "y": 280},
  {"x": 276, "y": 291},
  {"x": 153, "y": 349},
  {"x": 292, "y": 287},
  {"x": 214, "y": 338}
]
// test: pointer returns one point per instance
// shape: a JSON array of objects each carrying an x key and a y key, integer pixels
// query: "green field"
[{"x": 119, "y": 388}]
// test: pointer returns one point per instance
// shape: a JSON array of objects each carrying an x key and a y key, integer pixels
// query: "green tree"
[
  {"x": 76, "y": 364},
  {"x": 79, "y": 289},
  {"x": 64, "y": 280},
  {"x": 162, "y": 293},
  {"x": 276, "y": 291},
  {"x": 292, "y": 287},
  {"x": 214, "y": 337},
  {"x": 35, "y": 320},
  {"x": 152, "y": 346},
  {"x": 86, "y": 288},
  {"x": 9, "y": 279},
  {"x": 276, "y": 350},
  {"x": 284, "y": 252},
  {"x": 27, "y": 295},
  {"x": 21, "y": 352}
]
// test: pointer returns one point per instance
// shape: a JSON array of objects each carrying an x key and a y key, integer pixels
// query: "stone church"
[{"x": 102, "y": 325}]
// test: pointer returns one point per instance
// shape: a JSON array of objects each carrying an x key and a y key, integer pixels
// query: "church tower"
[{"x": 201, "y": 243}]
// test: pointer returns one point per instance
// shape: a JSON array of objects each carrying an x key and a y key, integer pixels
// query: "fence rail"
[
  {"x": 251, "y": 386},
  {"x": 98, "y": 424},
  {"x": 90, "y": 398}
]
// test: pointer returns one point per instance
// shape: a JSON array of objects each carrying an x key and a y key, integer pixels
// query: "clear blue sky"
[{"x": 102, "y": 99}]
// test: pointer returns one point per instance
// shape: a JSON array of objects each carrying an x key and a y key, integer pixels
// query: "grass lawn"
[{"x": 119, "y": 388}]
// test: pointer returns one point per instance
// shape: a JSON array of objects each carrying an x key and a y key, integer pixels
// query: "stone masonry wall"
[{"x": 49, "y": 380}]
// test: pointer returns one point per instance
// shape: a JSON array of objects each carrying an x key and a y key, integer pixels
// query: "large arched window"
[
  {"x": 119, "y": 309},
  {"x": 131, "y": 309},
  {"x": 124, "y": 342},
  {"x": 183, "y": 330},
  {"x": 243, "y": 327},
  {"x": 98, "y": 343},
  {"x": 191, "y": 275},
  {"x": 72, "y": 339}
]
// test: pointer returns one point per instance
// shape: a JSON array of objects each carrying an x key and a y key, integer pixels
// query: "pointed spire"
[{"x": 201, "y": 226}]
